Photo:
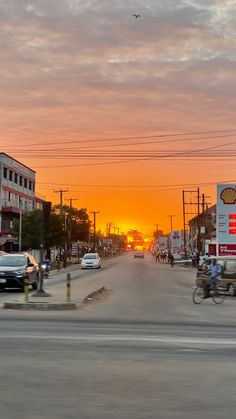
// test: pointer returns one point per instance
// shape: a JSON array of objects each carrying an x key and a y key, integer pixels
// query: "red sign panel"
[
  {"x": 232, "y": 224},
  {"x": 227, "y": 249},
  {"x": 232, "y": 216}
]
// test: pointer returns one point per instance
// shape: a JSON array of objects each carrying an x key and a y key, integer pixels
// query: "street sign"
[
  {"x": 226, "y": 220},
  {"x": 74, "y": 249}
]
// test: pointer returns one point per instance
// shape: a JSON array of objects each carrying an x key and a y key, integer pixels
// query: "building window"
[
  {"x": 33, "y": 186},
  {"x": 5, "y": 172},
  {"x": 25, "y": 183},
  {"x": 16, "y": 178},
  {"x": 30, "y": 185},
  {"x": 10, "y": 174},
  {"x": 21, "y": 181}
]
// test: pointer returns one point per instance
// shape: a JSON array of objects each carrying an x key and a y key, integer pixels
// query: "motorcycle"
[{"x": 45, "y": 269}]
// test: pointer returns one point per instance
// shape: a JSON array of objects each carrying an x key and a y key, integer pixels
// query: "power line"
[
  {"x": 172, "y": 156},
  {"x": 130, "y": 138},
  {"x": 139, "y": 186},
  {"x": 63, "y": 152}
]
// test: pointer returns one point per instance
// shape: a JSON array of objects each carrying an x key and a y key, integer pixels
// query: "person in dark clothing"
[
  {"x": 64, "y": 258},
  {"x": 171, "y": 259},
  {"x": 197, "y": 260}
]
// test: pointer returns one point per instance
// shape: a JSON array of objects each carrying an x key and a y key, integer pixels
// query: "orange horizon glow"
[{"x": 124, "y": 113}]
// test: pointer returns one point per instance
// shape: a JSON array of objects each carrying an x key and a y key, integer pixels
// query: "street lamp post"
[
  {"x": 20, "y": 225},
  {"x": 20, "y": 231}
]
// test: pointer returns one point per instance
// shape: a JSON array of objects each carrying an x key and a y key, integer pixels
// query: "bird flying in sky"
[{"x": 136, "y": 16}]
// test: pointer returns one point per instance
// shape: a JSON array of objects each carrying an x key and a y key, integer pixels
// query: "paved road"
[{"x": 144, "y": 351}]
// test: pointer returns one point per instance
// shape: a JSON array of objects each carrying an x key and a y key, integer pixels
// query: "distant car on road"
[
  {"x": 15, "y": 268},
  {"x": 139, "y": 255},
  {"x": 91, "y": 260}
]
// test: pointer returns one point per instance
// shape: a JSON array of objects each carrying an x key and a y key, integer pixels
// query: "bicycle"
[{"x": 214, "y": 293}]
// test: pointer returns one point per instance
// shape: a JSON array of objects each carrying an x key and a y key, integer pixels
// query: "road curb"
[
  {"x": 50, "y": 306},
  {"x": 93, "y": 295},
  {"x": 43, "y": 306}
]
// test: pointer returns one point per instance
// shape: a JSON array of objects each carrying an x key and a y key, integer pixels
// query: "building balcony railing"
[
  {"x": 16, "y": 206},
  {"x": 6, "y": 226}
]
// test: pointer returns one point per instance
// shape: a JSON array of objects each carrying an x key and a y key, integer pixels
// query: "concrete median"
[{"x": 54, "y": 304}]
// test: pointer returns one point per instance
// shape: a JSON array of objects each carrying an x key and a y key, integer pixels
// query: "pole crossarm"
[{"x": 61, "y": 192}]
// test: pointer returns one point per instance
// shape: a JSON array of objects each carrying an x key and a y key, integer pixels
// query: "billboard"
[
  {"x": 226, "y": 220},
  {"x": 176, "y": 241},
  {"x": 163, "y": 243}
]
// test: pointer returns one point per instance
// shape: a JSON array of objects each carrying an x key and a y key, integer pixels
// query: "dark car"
[
  {"x": 228, "y": 275},
  {"x": 15, "y": 268},
  {"x": 139, "y": 255}
]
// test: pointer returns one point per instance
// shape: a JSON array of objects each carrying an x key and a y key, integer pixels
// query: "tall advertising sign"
[
  {"x": 226, "y": 220},
  {"x": 176, "y": 241},
  {"x": 163, "y": 243}
]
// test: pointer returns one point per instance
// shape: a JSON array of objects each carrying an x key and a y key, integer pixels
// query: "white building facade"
[{"x": 17, "y": 192}]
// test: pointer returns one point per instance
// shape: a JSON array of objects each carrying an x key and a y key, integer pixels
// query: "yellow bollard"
[
  {"x": 26, "y": 289},
  {"x": 68, "y": 287}
]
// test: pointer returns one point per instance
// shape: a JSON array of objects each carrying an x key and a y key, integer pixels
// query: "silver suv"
[{"x": 15, "y": 268}]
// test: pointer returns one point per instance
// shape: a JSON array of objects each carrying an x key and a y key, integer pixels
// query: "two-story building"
[
  {"x": 17, "y": 194},
  {"x": 202, "y": 231}
]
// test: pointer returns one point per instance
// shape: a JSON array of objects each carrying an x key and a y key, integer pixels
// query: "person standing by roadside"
[{"x": 171, "y": 259}]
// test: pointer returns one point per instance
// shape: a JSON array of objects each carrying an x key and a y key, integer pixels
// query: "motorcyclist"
[
  {"x": 58, "y": 261},
  {"x": 45, "y": 266}
]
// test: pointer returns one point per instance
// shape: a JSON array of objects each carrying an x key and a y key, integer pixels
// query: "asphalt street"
[{"x": 144, "y": 350}]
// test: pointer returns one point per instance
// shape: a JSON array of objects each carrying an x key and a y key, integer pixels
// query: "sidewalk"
[{"x": 57, "y": 295}]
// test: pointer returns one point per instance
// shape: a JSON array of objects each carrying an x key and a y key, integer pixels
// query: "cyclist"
[{"x": 214, "y": 270}]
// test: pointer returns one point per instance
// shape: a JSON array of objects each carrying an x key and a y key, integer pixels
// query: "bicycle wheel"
[
  {"x": 217, "y": 297},
  {"x": 198, "y": 295}
]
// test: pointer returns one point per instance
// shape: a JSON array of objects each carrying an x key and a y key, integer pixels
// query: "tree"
[
  {"x": 53, "y": 233},
  {"x": 134, "y": 238},
  {"x": 78, "y": 223},
  {"x": 33, "y": 231}
]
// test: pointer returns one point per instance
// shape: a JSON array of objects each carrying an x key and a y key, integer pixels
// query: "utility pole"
[
  {"x": 108, "y": 229},
  {"x": 69, "y": 219},
  {"x": 171, "y": 222},
  {"x": 184, "y": 220},
  {"x": 71, "y": 201},
  {"x": 94, "y": 227},
  {"x": 61, "y": 191},
  {"x": 192, "y": 207}
]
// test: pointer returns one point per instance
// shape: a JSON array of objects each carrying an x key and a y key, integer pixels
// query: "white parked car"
[{"x": 91, "y": 260}]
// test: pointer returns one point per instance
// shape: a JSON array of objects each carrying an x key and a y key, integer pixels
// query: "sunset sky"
[{"x": 124, "y": 112}]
